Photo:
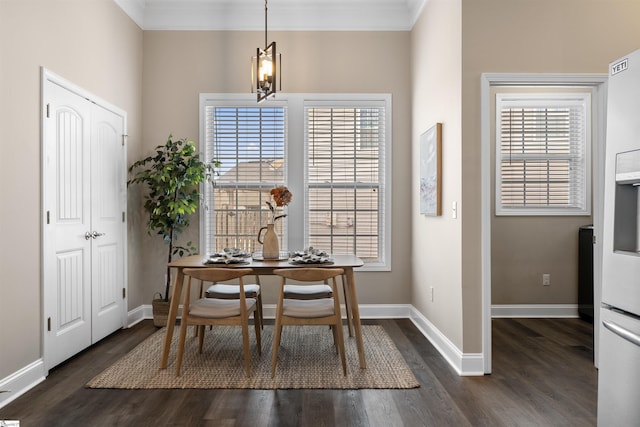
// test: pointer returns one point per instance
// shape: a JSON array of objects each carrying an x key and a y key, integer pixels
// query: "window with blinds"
[
  {"x": 250, "y": 144},
  {"x": 328, "y": 149},
  {"x": 543, "y": 154},
  {"x": 344, "y": 183}
]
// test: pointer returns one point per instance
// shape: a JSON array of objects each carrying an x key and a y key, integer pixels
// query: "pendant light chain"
[{"x": 266, "y": 43}]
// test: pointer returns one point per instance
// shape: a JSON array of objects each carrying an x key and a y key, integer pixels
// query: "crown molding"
[{"x": 283, "y": 15}]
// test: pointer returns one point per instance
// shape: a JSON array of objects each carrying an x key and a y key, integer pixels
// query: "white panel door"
[
  {"x": 108, "y": 190},
  {"x": 67, "y": 251},
  {"x": 84, "y": 231}
]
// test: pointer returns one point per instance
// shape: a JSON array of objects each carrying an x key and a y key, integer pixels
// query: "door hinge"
[
  {"x": 48, "y": 217},
  {"x": 594, "y": 239},
  {"x": 49, "y": 324},
  {"x": 124, "y": 293},
  {"x": 48, "y": 111},
  {"x": 123, "y": 216},
  {"x": 124, "y": 139}
]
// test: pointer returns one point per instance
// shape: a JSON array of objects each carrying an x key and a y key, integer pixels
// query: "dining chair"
[
  {"x": 215, "y": 311},
  {"x": 322, "y": 310},
  {"x": 232, "y": 291},
  {"x": 320, "y": 291}
]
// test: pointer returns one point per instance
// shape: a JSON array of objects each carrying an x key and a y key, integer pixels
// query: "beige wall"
[
  {"x": 437, "y": 241},
  {"x": 179, "y": 65},
  {"x": 527, "y": 36},
  {"x": 94, "y": 45},
  {"x": 523, "y": 248}
]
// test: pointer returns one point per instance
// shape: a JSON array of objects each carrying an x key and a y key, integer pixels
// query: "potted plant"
[{"x": 172, "y": 177}]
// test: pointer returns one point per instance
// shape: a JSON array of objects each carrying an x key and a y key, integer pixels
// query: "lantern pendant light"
[{"x": 264, "y": 70}]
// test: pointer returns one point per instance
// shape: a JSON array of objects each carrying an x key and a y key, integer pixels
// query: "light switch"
[{"x": 454, "y": 210}]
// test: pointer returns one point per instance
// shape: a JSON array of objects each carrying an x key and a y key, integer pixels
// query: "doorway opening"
[{"x": 597, "y": 84}]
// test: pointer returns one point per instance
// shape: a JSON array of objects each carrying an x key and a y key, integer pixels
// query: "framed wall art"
[{"x": 431, "y": 171}]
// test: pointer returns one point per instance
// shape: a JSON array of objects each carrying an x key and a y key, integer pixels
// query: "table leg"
[
  {"x": 355, "y": 314},
  {"x": 173, "y": 314},
  {"x": 346, "y": 305}
]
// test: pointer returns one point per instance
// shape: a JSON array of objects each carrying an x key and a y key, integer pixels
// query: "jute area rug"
[{"x": 307, "y": 359}]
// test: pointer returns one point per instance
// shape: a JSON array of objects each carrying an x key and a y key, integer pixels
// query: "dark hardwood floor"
[{"x": 543, "y": 375}]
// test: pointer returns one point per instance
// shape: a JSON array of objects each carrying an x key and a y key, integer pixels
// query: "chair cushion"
[
  {"x": 307, "y": 308},
  {"x": 307, "y": 291},
  {"x": 213, "y": 308},
  {"x": 232, "y": 291}
]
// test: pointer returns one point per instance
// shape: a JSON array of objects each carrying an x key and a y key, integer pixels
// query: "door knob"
[{"x": 92, "y": 235}]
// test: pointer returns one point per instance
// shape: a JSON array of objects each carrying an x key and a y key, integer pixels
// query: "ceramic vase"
[{"x": 270, "y": 246}]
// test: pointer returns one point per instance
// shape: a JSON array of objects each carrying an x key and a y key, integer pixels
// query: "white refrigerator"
[{"x": 619, "y": 347}]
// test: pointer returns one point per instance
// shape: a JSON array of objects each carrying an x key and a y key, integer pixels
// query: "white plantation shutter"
[
  {"x": 543, "y": 154},
  {"x": 345, "y": 146}
]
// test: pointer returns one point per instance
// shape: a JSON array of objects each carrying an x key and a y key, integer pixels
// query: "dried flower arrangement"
[{"x": 281, "y": 196}]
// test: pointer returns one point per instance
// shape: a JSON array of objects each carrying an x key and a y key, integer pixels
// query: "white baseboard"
[
  {"x": 535, "y": 310},
  {"x": 469, "y": 364},
  {"x": 367, "y": 311},
  {"x": 385, "y": 311},
  {"x": 145, "y": 311},
  {"x": 21, "y": 381},
  {"x": 138, "y": 314}
]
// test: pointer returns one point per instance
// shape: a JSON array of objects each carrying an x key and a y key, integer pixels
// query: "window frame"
[
  {"x": 551, "y": 99},
  {"x": 295, "y": 150}
]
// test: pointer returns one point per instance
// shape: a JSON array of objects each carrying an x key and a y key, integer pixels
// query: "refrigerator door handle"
[{"x": 622, "y": 332}]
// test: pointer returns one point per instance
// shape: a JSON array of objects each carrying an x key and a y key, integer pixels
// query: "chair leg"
[
  {"x": 257, "y": 323},
  {"x": 200, "y": 330},
  {"x": 335, "y": 338},
  {"x": 245, "y": 345},
  {"x": 259, "y": 310},
  {"x": 183, "y": 336},
  {"x": 338, "y": 329},
  {"x": 197, "y": 329},
  {"x": 276, "y": 345}
]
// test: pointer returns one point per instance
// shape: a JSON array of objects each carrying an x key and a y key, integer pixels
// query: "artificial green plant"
[{"x": 172, "y": 178}]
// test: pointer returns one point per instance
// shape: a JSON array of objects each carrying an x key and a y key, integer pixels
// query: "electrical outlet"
[
  {"x": 432, "y": 294},
  {"x": 546, "y": 279}
]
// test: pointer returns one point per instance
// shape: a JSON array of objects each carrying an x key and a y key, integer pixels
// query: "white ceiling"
[{"x": 291, "y": 15}]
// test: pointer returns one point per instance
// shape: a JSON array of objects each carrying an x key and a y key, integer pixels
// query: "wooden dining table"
[{"x": 266, "y": 267}]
